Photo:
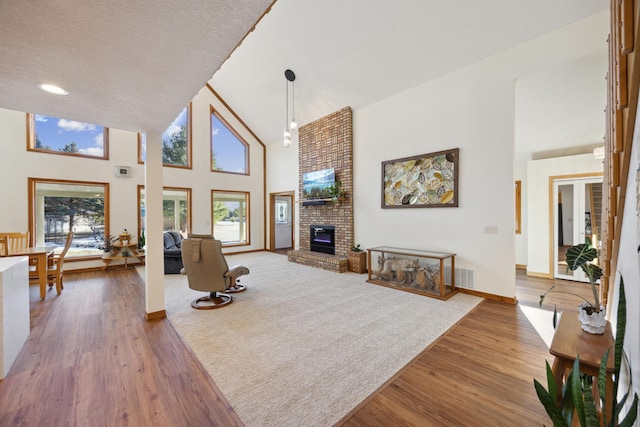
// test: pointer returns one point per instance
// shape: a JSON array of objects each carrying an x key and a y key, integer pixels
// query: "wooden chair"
[
  {"x": 15, "y": 241},
  {"x": 3, "y": 245},
  {"x": 55, "y": 267}
]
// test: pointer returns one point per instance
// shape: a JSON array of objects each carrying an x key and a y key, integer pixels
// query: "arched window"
[
  {"x": 176, "y": 142},
  {"x": 229, "y": 152}
]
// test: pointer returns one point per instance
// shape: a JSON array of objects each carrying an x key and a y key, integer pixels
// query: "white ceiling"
[
  {"x": 357, "y": 52},
  {"x": 128, "y": 64},
  {"x": 135, "y": 64}
]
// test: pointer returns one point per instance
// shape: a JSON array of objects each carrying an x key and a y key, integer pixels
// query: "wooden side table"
[
  {"x": 358, "y": 262},
  {"x": 570, "y": 341}
]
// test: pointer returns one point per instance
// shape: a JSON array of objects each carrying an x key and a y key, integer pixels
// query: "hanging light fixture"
[{"x": 291, "y": 127}]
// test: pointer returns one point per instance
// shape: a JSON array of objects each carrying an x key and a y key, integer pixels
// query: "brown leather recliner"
[{"x": 207, "y": 270}]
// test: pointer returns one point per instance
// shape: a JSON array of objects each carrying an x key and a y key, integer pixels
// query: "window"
[
  {"x": 229, "y": 152},
  {"x": 68, "y": 137},
  {"x": 176, "y": 142},
  {"x": 56, "y": 207},
  {"x": 176, "y": 207},
  {"x": 230, "y": 217}
]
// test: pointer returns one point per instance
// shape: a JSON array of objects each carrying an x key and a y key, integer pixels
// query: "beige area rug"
[{"x": 304, "y": 346}]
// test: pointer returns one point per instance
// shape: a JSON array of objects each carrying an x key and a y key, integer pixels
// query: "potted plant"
[
  {"x": 577, "y": 397},
  {"x": 142, "y": 241},
  {"x": 357, "y": 260},
  {"x": 107, "y": 245},
  {"x": 590, "y": 313},
  {"x": 336, "y": 191}
]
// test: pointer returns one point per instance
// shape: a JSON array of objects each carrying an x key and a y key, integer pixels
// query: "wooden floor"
[{"x": 92, "y": 359}]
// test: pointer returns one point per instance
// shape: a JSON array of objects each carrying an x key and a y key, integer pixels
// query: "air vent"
[{"x": 464, "y": 278}]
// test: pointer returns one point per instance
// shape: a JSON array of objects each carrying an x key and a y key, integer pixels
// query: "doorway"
[
  {"x": 282, "y": 221},
  {"x": 577, "y": 205}
]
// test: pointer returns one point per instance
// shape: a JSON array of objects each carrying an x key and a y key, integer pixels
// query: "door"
[
  {"x": 282, "y": 221},
  {"x": 577, "y": 212}
]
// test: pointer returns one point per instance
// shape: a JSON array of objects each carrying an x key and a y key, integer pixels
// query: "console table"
[{"x": 419, "y": 271}]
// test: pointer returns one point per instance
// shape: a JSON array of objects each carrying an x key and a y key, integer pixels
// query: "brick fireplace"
[{"x": 327, "y": 143}]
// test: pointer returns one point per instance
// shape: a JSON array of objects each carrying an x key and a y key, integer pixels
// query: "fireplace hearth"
[{"x": 322, "y": 239}]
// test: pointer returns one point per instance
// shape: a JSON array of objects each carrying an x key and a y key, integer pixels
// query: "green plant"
[
  {"x": 580, "y": 256},
  {"x": 107, "y": 245},
  {"x": 336, "y": 191},
  {"x": 577, "y": 392},
  {"x": 356, "y": 248},
  {"x": 142, "y": 240}
]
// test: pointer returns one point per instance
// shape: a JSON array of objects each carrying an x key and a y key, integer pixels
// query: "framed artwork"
[
  {"x": 424, "y": 181},
  {"x": 281, "y": 212}
]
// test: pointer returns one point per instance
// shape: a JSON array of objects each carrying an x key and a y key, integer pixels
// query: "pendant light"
[{"x": 291, "y": 127}]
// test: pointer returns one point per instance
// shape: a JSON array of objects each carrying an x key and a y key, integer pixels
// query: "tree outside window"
[
  {"x": 62, "y": 206},
  {"x": 176, "y": 142},
  {"x": 62, "y": 136},
  {"x": 176, "y": 207}
]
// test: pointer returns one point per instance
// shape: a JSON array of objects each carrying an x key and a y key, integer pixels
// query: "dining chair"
[
  {"x": 15, "y": 241},
  {"x": 55, "y": 265},
  {"x": 3, "y": 245}
]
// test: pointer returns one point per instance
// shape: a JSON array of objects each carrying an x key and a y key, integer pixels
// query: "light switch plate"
[{"x": 490, "y": 229}]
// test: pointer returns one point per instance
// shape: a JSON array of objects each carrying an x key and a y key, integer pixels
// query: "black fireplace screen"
[{"x": 322, "y": 239}]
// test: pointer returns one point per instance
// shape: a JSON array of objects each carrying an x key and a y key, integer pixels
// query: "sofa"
[{"x": 172, "y": 252}]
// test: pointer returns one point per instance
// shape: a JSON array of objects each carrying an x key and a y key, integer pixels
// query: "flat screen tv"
[{"x": 317, "y": 184}]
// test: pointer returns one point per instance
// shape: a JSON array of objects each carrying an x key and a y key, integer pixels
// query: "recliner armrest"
[
  {"x": 237, "y": 270},
  {"x": 175, "y": 252}
]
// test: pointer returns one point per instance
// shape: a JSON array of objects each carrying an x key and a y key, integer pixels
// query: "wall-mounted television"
[{"x": 317, "y": 184}]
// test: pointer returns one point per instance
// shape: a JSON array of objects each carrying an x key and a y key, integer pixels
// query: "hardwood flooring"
[{"x": 92, "y": 359}]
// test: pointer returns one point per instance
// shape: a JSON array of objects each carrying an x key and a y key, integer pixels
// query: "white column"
[{"x": 154, "y": 286}]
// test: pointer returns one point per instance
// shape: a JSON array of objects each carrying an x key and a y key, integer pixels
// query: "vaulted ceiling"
[
  {"x": 135, "y": 64},
  {"x": 130, "y": 65}
]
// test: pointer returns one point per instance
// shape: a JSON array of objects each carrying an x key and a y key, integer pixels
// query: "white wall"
[
  {"x": 17, "y": 164},
  {"x": 473, "y": 109},
  {"x": 538, "y": 173},
  {"x": 561, "y": 106},
  {"x": 282, "y": 176},
  {"x": 447, "y": 113}
]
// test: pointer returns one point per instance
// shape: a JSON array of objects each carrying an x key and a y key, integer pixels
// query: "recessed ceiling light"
[{"x": 53, "y": 89}]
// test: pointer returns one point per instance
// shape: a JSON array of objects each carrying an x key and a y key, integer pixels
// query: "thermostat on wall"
[{"x": 123, "y": 171}]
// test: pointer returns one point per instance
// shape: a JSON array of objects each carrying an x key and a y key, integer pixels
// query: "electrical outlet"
[{"x": 490, "y": 229}]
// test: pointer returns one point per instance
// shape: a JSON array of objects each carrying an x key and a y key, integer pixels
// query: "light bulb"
[
  {"x": 287, "y": 138},
  {"x": 293, "y": 125}
]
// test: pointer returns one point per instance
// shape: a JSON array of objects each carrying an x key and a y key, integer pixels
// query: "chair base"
[
  {"x": 236, "y": 288},
  {"x": 214, "y": 300}
]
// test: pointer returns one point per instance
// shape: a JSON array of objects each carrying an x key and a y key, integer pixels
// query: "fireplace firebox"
[{"x": 322, "y": 239}]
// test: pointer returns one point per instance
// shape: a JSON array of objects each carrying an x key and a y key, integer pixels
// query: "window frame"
[
  {"x": 31, "y": 140},
  {"x": 214, "y": 112},
  {"x": 189, "y": 210},
  {"x": 33, "y": 182},
  {"x": 247, "y": 198},
  {"x": 189, "y": 164}
]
